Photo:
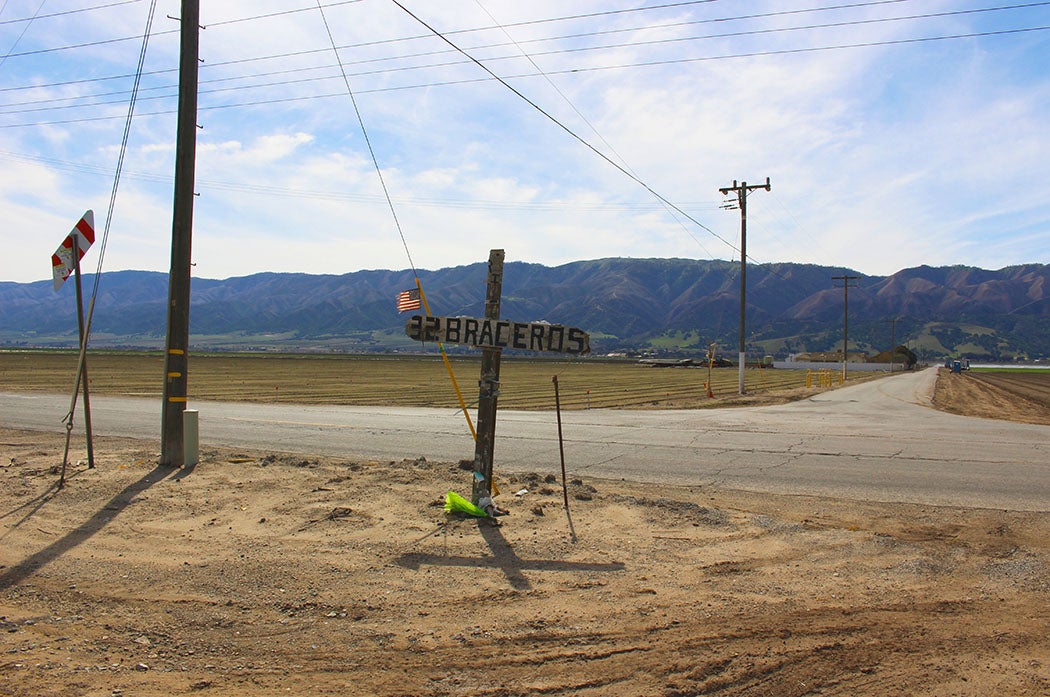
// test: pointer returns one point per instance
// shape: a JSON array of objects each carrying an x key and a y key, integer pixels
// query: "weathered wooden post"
[
  {"x": 488, "y": 390},
  {"x": 492, "y": 335}
]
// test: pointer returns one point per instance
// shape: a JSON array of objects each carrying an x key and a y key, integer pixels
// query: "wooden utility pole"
[
  {"x": 488, "y": 391},
  {"x": 845, "y": 317},
  {"x": 893, "y": 340},
  {"x": 741, "y": 196},
  {"x": 175, "y": 357}
]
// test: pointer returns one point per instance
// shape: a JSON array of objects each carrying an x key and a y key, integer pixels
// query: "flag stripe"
[{"x": 408, "y": 300}]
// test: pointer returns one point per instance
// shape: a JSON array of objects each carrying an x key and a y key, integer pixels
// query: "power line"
[
  {"x": 86, "y": 44},
  {"x": 541, "y": 73},
  {"x": 368, "y": 142},
  {"x": 590, "y": 125},
  {"x": 734, "y": 18},
  {"x": 22, "y": 33},
  {"x": 121, "y": 39},
  {"x": 623, "y": 66},
  {"x": 639, "y": 207},
  {"x": 557, "y": 72},
  {"x": 565, "y": 128},
  {"x": 282, "y": 13},
  {"x": 65, "y": 13},
  {"x": 574, "y": 36},
  {"x": 565, "y": 71}
]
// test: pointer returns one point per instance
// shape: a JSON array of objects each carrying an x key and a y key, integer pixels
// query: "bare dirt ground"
[{"x": 255, "y": 573}]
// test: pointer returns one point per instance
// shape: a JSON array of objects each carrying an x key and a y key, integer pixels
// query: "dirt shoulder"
[{"x": 259, "y": 574}]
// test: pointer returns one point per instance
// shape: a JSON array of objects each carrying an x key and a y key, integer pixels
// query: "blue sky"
[{"x": 900, "y": 151}]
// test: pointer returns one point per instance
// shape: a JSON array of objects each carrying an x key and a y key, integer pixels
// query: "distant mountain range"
[{"x": 669, "y": 306}]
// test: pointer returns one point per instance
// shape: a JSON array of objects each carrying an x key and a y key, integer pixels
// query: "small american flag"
[{"x": 408, "y": 300}]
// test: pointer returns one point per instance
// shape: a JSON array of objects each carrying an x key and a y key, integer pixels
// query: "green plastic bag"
[{"x": 454, "y": 503}]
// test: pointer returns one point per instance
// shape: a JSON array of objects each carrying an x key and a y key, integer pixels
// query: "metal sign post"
[
  {"x": 83, "y": 372},
  {"x": 64, "y": 261}
]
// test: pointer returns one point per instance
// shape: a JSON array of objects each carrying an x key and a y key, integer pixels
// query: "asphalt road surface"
[{"x": 876, "y": 441}]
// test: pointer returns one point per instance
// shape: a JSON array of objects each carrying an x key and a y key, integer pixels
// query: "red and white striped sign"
[{"x": 62, "y": 261}]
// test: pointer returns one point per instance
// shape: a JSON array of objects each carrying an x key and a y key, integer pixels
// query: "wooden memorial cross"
[{"x": 492, "y": 335}]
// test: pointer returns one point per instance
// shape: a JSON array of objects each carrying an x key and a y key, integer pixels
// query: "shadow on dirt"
[
  {"x": 504, "y": 558},
  {"x": 19, "y": 572}
]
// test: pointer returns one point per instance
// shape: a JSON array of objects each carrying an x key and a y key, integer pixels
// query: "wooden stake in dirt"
[
  {"x": 561, "y": 443},
  {"x": 561, "y": 449}
]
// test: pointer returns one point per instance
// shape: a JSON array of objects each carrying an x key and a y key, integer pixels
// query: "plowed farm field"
[
  {"x": 421, "y": 381},
  {"x": 1016, "y": 395}
]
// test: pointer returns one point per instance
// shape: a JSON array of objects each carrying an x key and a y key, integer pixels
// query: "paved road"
[{"x": 875, "y": 441}]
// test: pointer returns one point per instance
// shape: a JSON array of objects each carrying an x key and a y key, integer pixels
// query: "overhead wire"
[
  {"x": 517, "y": 44},
  {"x": 63, "y": 13},
  {"x": 368, "y": 142},
  {"x": 562, "y": 126},
  {"x": 86, "y": 44},
  {"x": 121, "y": 39},
  {"x": 586, "y": 69},
  {"x": 123, "y": 147},
  {"x": 333, "y": 195},
  {"x": 29, "y": 23},
  {"x": 364, "y": 44},
  {"x": 569, "y": 131},
  {"x": 281, "y": 13},
  {"x": 584, "y": 118},
  {"x": 393, "y": 214},
  {"x": 682, "y": 39},
  {"x": 545, "y": 74},
  {"x": 590, "y": 68},
  {"x": 105, "y": 234}
]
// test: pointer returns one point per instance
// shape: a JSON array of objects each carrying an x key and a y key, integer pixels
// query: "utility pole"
[
  {"x": 846, "y": 279},
  {"x": 175, "y": 359},
  {"x": 741, "y": 196},
  {"x": 893, "y": 339}
]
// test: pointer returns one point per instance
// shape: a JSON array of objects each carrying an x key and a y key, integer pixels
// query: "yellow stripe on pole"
[
  {"x": 174, "y": 375},
  {"x": 177, "y": 399},
  {"x": 176, "y": 352},
  {"x": 448, "y": 366}
]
